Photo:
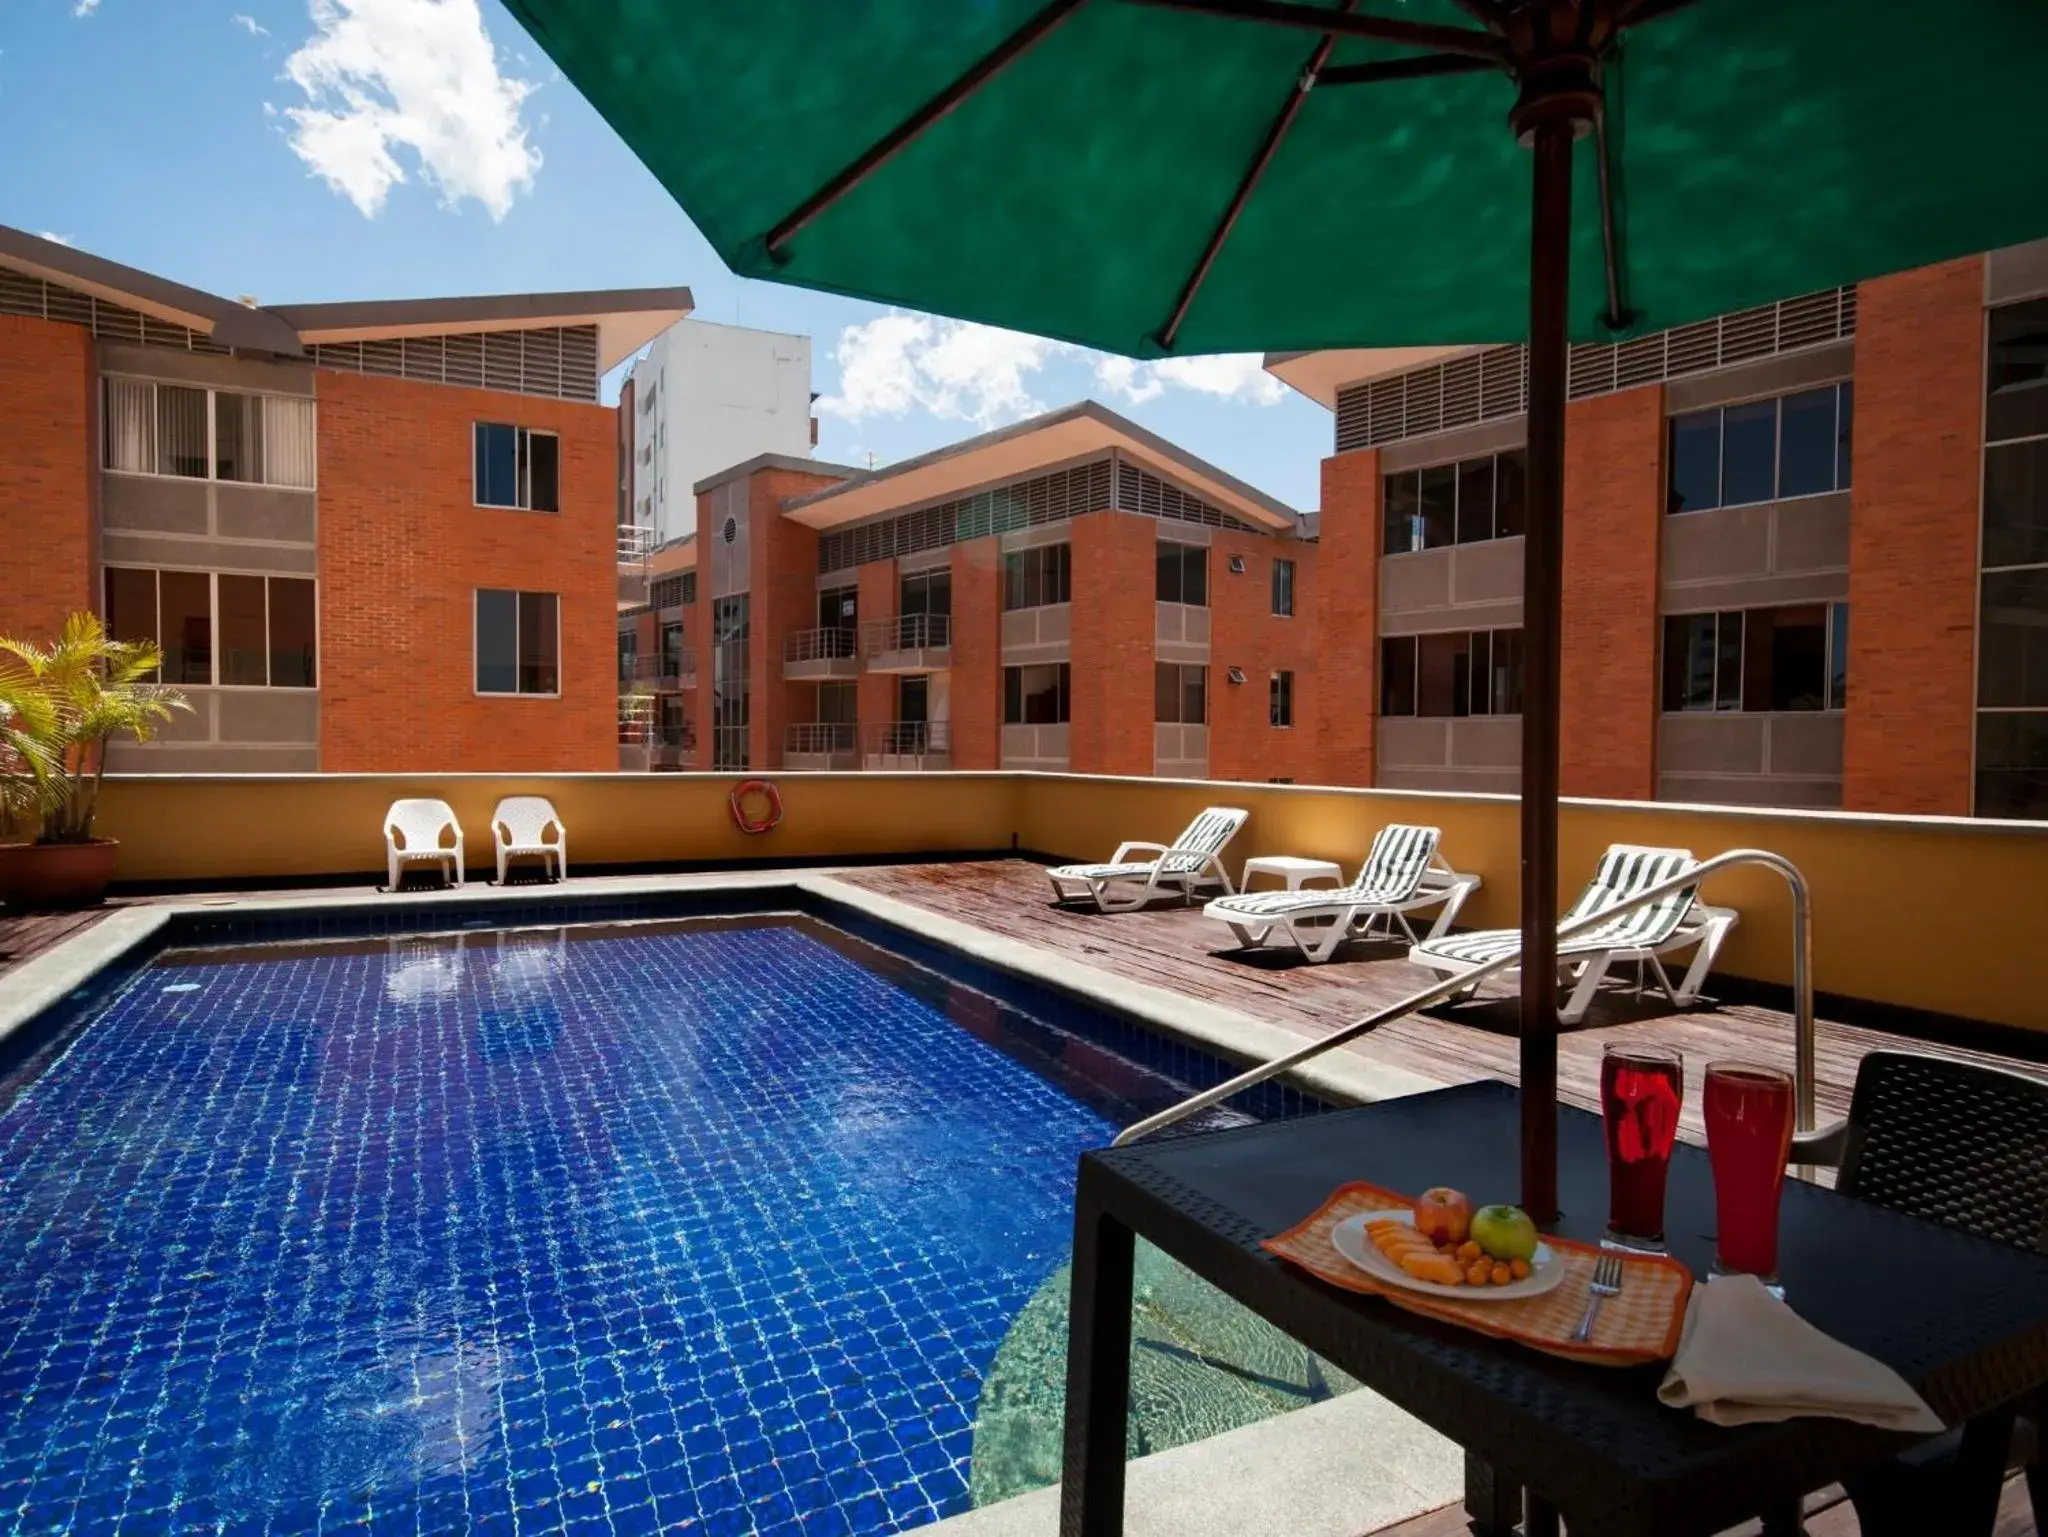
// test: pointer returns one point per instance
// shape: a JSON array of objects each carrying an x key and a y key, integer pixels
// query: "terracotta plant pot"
[{"x": 56, "y": 874}]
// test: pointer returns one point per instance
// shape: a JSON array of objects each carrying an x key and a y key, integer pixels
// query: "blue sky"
[{"x": 306, "y": 150}]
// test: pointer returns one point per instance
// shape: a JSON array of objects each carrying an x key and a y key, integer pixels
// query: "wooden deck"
[{"x": 1178, "y": 949}]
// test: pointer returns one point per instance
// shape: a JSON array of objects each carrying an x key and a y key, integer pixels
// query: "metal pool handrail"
[{"x": 1436, "y": 992}]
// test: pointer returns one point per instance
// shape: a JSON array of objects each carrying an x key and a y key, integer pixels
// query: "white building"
[{"x": 706, "y": 397}]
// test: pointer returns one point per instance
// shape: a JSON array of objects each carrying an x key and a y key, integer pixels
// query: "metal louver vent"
[
  {"x": 1503, "y": 382},
  {"x": 689, "y": 588},
  {"x": 41, "y": 300},
  {"x": 667, "y": 592},
  {"x": 1592, "y": 371},
  {"x": 462, "y": 360},
  {"x": 1056, "y": 497},
  {"x": 1461, "y": 391},
  {"x": 425, "y": 357},
  {"x": 1435, "y": 398},
  {"x": 559, "y": 362},
  {"x": 1750, "y": 334},
  {"x": 386, "y": 358}
]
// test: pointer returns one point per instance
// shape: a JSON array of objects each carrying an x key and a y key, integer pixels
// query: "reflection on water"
[{"x": 1200, "y": 1365}]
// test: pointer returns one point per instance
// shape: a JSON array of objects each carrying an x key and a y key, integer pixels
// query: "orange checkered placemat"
[{"x": 1638, "y": 1326}]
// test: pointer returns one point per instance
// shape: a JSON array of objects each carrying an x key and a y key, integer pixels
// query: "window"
[
  {"x": 927, "y": 592},
  {"x": 838, "y": 608},
  {"x": 1283, "y": 588},
  {"x": 517, "y": 467},
  {"x": 1477, "y": 672},
  {"x": 1035, "y": 696},
  {"x": 731, "y": 692},
  {"x": 1037, "y": 578},
  {"x": 518, "y": 642},
  {"x": 1758, "y": 659},
  {"x": 200, "y": 434},
  {"x": 1463, "y": 503},
  {"x": 675, "y": 723},
  {"x": 228, "y": 630},
  {"x": 1183, "y": 574},
  {"x": 839, "y": 703},
  {"x": 2012, "y": 644},
  {"x": 1280, "y": 699},
  {"x": 1762, "y": 450},
  {"x": 1180, "y": 694}
]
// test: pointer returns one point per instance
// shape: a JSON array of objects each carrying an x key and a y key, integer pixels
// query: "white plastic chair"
[
  {"x": 412, "y": 836},
  {"x": 519, "y": 829}
]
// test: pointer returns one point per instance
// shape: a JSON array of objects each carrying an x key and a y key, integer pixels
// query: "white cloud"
[
  {"x": 85, "y": 7},
  {"x": 1228, "y": 376},
  {"x": 382, "y": 76},
  {"x": 959, "y": 371},
  {"x": 250, "y": 25},
  {"x": 952, "y": 369},
  {"x": 50, "y": 234}
]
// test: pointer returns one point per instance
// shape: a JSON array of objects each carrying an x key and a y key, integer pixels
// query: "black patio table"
[{"x": 1965, "y": 1320}]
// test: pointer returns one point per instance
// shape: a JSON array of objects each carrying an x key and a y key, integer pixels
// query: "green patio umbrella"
[{"x": 1161, "y": 177}]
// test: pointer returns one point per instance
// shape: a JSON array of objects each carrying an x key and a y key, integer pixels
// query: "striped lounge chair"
[
  {"x": 1402, "y": 873},
  {"x": 1176, "y": 869},
  {"x": 1644, "y": 936}
]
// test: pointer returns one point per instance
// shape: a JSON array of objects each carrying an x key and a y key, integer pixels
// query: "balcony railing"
[
  {"x": 818, "y": 645},
  {"x": 819, "y": 738},
  {"x": 636, "y": 543},
  {"x": 912, "y": 637},
  {"x": 821, "y": 653},
  {"x": 909, "y": 643},
  {"x": 672, "y": 669},
  {"x": 906, "y": 739}
]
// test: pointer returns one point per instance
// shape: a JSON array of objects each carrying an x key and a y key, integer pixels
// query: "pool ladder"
[{"x": 1437, "y": 992}]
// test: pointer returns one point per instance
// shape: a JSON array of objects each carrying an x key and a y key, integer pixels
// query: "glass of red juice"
[
  {"x": 1749, "y": 1135},
  {"x": 1641, "y": 1089}
]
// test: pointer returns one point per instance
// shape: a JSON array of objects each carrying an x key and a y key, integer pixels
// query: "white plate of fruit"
[{"x": 1441, "y": 1247}]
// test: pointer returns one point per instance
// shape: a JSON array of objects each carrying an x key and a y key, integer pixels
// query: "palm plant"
[
  {"x": 28, "y": 764},
  {"x": 77, "y": 693}
]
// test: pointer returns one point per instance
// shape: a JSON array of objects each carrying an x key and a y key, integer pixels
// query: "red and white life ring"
[{"x": 745, "y": 820}]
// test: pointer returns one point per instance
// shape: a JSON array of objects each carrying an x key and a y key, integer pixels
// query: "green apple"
[{"x": 1504, "y": 1232}]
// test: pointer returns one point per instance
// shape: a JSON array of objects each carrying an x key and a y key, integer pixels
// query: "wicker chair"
[{"x": 1967, "y": 1147}]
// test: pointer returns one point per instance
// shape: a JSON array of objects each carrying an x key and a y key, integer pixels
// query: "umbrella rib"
[
  {"x": 1417, "y": 68},
  {"x": 1618, "y": 315},
  {"x": 1312, "y": 18},
  {"x": 907, "y": 132},
  {"x": 1275, "y": 135}
]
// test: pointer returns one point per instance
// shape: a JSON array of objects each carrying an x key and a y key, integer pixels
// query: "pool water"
[{"x": 611, "y": 1230}]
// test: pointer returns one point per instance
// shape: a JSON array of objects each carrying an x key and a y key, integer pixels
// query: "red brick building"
[
  {"x": 373, "y": 536},
  {"x": 1073, "y": 592},
  {"x": 1806, "y": 555}
]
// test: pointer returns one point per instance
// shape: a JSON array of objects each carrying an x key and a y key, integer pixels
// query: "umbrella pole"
[{"x": 1542, "y": 580}]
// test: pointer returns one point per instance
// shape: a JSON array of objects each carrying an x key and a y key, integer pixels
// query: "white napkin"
[{"x": 1745, "y": 1357}]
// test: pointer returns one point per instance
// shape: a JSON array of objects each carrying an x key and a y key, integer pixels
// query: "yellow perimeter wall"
[{"x": 1932, "y": 913}]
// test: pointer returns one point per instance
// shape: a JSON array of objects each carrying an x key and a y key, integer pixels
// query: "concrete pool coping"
[{"x": 1337, "y": 1469}]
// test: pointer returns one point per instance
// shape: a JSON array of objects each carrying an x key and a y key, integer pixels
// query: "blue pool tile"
[{"x": 619, "y": 1230}]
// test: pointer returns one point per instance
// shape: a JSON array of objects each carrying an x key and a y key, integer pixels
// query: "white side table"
[{"x": 1296, "y": 872}]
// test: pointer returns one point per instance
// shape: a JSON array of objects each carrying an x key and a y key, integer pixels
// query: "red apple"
[{"x": 1443, "y": 1215}]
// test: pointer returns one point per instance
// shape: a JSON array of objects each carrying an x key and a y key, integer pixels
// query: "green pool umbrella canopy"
[
  {"x": 1760, "y": 149},
  {"x": 1160, "y": 177}
]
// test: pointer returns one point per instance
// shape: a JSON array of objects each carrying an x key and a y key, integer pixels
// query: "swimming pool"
[{"x": 597, "y": 1229}]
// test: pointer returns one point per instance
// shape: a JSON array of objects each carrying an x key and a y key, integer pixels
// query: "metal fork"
[{"x": 1606, "y": 1283}]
